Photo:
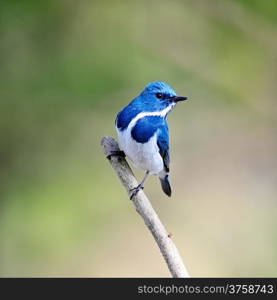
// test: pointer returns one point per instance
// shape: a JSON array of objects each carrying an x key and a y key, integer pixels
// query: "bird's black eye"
[{"x": 159, "y": 95}]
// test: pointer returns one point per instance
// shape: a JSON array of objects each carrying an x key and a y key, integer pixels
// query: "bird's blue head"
[{"x": 157, "y": 96}]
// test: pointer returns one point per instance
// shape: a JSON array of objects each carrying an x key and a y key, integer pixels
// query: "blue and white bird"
[{"x": 143, "y": 131}]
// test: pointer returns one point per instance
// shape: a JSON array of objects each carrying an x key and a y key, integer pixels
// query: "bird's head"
[{"x": 158, "y": 96}]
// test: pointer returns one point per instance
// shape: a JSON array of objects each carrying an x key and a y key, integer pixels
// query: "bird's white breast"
[{"x": 145, "y": 156}]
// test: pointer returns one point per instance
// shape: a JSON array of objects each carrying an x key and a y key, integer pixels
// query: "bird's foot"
[
  {"x": 136, "y": 190},
  {"x": 116, "y": 153}
]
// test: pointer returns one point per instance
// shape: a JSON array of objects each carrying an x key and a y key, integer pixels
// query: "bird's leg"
[
  {"x": 116, "y": 153},
  {"x": 139, "y": 187}
]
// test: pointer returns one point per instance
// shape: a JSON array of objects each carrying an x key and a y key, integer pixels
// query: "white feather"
[{"x": 145, "y": 156}]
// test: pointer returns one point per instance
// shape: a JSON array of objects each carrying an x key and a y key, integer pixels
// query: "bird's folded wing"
[{"x": 163, "y": 144}]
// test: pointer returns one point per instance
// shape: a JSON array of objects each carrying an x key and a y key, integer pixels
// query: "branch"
[{"x": 145, "y": 209}]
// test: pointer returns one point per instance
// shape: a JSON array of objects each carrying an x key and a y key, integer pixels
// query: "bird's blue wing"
[
  {"x": 125, "y": 116},
  {"x": 163, "y": 144}
]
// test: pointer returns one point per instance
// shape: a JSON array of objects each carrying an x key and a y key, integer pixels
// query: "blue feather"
[
  {"x": 163, "y": 144},
  {"x": 146, "y": 127},
  {"x": 153, "y": 103},
  {"x": 126, "y": 115},
  {"x": 166, "y": 185},
  {"x": 145, "y": 102}
]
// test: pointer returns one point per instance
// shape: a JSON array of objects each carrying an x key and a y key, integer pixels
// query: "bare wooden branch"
[{"x": 145, "y": 209}]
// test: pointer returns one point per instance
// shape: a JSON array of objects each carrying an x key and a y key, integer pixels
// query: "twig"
[{"x": 145, "y": 209}]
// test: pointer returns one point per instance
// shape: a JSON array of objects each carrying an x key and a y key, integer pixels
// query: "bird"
[{"x": 143, "y": 135}]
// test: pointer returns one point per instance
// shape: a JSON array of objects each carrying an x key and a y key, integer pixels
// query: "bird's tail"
[{"x": 166, "y": 185}]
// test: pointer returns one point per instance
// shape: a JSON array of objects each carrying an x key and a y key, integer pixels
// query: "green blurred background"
[{"x": 67, "y": 68}]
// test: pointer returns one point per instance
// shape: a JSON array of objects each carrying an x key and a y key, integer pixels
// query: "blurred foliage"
[{"x": 67, "y": 67}]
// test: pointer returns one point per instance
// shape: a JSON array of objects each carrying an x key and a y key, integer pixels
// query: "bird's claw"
[
  {"x": 116, "y": 153},
  {"x": 135, "y": 191}
]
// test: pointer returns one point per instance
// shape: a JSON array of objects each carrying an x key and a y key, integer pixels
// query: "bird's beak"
[{"x": 178, "y": 98}]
